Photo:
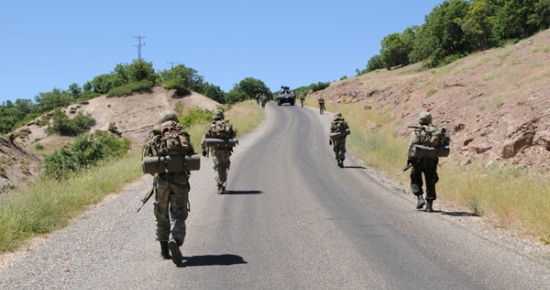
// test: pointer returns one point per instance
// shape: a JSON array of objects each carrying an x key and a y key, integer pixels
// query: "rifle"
[
  {"x": 405, "y": 169},
  {"x": 147, "y": 197},
  {"x": 417, "y": 128}
]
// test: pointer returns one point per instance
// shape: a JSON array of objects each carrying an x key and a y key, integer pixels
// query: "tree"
[
  {"x": 215, "y": 93},
  {"x": 51, "y": 100},
  {"x": 183, "y": 76},
  {"x": 251, "y": 87},
  {"x": 75, "y": 90},
  {"x": 140, "y": 70},
  {"x": 479, "y": 24}
]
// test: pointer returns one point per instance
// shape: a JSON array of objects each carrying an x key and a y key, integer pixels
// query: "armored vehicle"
[{"x": 285, "y": 95}]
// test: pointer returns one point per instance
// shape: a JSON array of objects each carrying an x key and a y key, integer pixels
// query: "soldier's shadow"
[
  {"x": 212, "y": 260},
  {"x": 355, "y": 167},
  {"x": 243, "y": 192}
]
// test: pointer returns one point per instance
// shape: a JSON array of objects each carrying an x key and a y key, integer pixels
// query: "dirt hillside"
[
  {"x": 134, "y": 116},
  {"x": 496, "y": 103}
]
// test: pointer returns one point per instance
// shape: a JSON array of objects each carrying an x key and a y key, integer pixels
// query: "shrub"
[
  {"x": 128, "y": 89},
  {"x": 113, "y": 128},
  {"x": 195, "y": 115},
  {"x": 178, "y": 84},
  {"x": 319, "y": 86},
  {"x": 39, "y": 146},
  {"x": 64, "y": 126},
  {"x": 85, "y": 152}
]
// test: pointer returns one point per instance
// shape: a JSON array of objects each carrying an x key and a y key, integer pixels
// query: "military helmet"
[
  {"x": 167, "y": 116},
  {"x": 337, "y": 115},
  {"x": 425, "y": 118},
  {"x": 218, "y": 115}
]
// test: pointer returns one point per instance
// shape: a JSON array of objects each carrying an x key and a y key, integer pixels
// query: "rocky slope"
[{"x": 495, "y": 103}]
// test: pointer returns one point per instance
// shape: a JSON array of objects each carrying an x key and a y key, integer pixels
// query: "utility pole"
[
  {"x": 139, "y": 45},
  {"x": 172, "y": 63}
]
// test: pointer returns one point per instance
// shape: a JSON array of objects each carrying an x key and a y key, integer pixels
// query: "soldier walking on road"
[
  {"x": 171, "y": 188},
  {"x": 263, "y": 101},
  {"x": 220, "y": 129},
  {"x": 425, "y": 165},
  {"x": 302, "y": 98},
  {"x": 339, "y": 130},
  {"x": 321, "y": 105}
]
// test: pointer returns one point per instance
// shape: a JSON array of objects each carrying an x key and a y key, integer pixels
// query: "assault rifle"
[
  {"x": 405, "y": 169},
  {"x": 417, "y": 128},
  {"x": 147, "y": 197}
]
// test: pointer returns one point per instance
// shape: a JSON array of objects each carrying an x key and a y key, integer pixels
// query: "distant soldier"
[
  {"x": 12, "y": 138},
  {"x": 257, "y": 98},
  {"x": 302, "y": 98},
  {"x": 430, "y": 136},
  {"x": 339, "y": 130},
  {"x": 220, "y": 129},
  {"x": 321, "y": 105},
  {"x": 172, "y": 188},
  {"x": 263, "y": 101}
]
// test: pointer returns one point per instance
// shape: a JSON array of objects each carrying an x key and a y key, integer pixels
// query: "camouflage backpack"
[
  {"x": 167, "y": 138},
  {"x": 338, "y": 126},
  {"x": 432, "y": 136},
  {"x": 221, "y": 129}
]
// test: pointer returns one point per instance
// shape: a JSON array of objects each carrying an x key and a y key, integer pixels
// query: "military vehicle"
[{"x": 285, "y": 95}]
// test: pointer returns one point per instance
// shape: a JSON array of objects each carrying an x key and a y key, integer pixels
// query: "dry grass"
[{"x": 512, "y": 198}]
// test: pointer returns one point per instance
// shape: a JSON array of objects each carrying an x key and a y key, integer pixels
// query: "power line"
[
  {"x": 139, "y": 37},
  {"x": 172, "y": 63}
]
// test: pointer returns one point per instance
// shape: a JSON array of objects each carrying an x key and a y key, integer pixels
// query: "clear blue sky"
[{"x": 52, "y": 44}]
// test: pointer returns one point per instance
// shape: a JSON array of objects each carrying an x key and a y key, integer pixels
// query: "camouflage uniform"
[
  {"x": 321, "y": 105},
  {"x": 263, "y": 100},
  {"x": 171, "y": 202},
  {"x": 220, "y": 156},
  {"x": 425, "y": 165},
  {"x": 339, "y": 144},
  {"x": 302, "y": 98}
]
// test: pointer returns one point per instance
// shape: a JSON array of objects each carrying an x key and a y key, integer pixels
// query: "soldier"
[
  {"x": 171, "y": 188},
  {"x": 426, "y": 165},
  {"x": 321, "y": 105},
  {"x": 257, "y": 98},
  {"x": 302, "y": 98},
  {"x": 339, "y": 130},
  {"x": 263, "y": 100},
  {"x": 220, "y": 129}
]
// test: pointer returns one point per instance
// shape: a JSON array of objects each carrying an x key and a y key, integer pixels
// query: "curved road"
[{"x": 291, "y": 220}]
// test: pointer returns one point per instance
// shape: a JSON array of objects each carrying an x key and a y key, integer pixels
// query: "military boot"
[
  {"x": 177, "y": 258},
  {"x": 164, "y": 252},
  {"x": 340, "y": 163},
  {"x": 221, "y": 189},
  {"x": 421, "y": 202},
  {"x": 429, "y": 206}
]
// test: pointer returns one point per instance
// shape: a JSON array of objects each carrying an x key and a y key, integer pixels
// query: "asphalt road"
[{"x": 291, "y": 219}]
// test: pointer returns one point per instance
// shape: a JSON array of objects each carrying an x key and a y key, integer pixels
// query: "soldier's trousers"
[
  {"x": 171, "y": 202},
  {"x": 339, "y": 147},
  {"x": 221, "y": 164},
  {"x": 428, "y": 167}
]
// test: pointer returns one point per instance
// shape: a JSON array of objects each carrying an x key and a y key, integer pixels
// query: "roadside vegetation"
[
  {"x": 55, "y": 198},
  {"x": 510, "y": 198}
]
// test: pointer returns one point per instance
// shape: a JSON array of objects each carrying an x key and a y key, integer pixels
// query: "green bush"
[
  {"x": 113, "y": 128},
  {"x": 128, "y": 89},
  {"x": 86, "y": 151},
  {"x": 195, "y": 115},
  {"x": 178, "y": 84},
  {"x": 64, "y": 126},
  {"x": 39, "y": 146},
  {"x": 319, "y": 86}
]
